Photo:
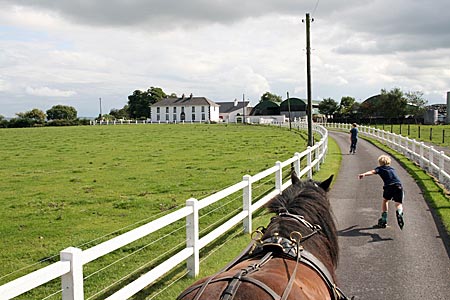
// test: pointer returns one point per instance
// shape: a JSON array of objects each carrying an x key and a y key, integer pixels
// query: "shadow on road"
[{"x": 353, "y": 231}]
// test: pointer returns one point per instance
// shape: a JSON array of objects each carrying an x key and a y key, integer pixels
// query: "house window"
[
  {"x": 167, "y": 110},
  {"x": 193, "y": 117},
  {"x": 158, "y": 117},
  {"x": 175, "y": 110},
  {"x": 193, "y": 109},
  {"x": 182, "y": 109},
  {"x": 158, "y": 110},
  {"x": 174, "y": 117},
  {"x": 203, "y": 109},
  {"x": 203, "y": 117},
  {"x": 167, "y": 117}
]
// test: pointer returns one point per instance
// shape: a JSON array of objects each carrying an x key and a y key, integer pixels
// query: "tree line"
[
  {"x": 391, "y": 106},
  {"x": 58, "y": 115}
]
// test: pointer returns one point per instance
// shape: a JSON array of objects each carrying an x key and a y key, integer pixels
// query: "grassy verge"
[{"x": 225, "y": 250}]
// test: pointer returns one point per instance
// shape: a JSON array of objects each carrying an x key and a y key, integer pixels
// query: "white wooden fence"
[
  {"x": 427, "y": 157},
  {"x": 72, "y": 260}
]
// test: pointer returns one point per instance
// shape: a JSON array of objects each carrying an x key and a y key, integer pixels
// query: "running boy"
[{"x": 392, "y": 190}]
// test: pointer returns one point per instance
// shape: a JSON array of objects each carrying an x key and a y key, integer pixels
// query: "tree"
[
  {"x": 393, "y": 104},
  {"x": 328, "y": 106},
  {"x": 416, "y": 104},
  {"x": 61, "y": 112},
  {"x": 139, "y": 103},
  {"x": 37, "y": 116},
  {"x": 267, "y": 96},
  {"x": 122, "y": 113},
  {"x": 346, "y": 107}
]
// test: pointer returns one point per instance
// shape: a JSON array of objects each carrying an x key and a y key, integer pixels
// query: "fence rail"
[
  {"x": 435, "y": 162},
  {"x": 70, "y": 266}
]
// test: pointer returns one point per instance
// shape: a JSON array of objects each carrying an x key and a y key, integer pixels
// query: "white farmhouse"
[{"x": 184, "y": 109}]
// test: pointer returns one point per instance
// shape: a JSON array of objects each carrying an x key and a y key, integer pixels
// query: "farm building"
[
  {"x": 234, "y": 111},
  {"x": 296, "y": 107},
  {"x": 187, "y": 109}
]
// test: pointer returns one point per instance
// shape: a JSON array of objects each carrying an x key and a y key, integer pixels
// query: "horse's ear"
[
  {"x": 294, "y": 178},
  {"x": 325, "y": 185}
]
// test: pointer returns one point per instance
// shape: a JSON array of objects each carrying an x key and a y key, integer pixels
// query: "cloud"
[
  {"x": 48, "y": 92},
  {"x": 84, "y": 50}
]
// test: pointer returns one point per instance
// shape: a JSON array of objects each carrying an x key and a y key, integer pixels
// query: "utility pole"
[
  {"x": 243, "y": 109},
  {"x": 100, "y": 116},
  {"x": 308, "y": 81},
  {"x": 289, "y": 109}
]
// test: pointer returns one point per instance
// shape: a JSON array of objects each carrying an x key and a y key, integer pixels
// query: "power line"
[{"x": 315, "y": 7}]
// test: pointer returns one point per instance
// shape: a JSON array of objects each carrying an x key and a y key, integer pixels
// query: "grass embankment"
[{"x": 80, "y": 186}]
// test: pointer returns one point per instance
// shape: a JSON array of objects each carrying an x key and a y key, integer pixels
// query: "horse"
[{"x": 294, "y": 257}]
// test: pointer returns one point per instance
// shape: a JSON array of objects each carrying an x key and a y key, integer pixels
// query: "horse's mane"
[{"x": 309, "y": 199}]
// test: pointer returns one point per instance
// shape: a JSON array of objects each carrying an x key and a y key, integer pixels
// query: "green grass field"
[
  {"x": 436, "y": 134},
  {"x": 80, "y": 186}
]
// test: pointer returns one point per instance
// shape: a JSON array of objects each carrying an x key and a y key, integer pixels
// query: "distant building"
[
  {"x": 295, "y": 107},
  {"x": 184, "y": 109},
  {"x": 233, "y": 112}
]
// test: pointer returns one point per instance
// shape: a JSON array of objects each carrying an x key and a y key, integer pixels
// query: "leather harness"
[{"x": 272, "y": 246}]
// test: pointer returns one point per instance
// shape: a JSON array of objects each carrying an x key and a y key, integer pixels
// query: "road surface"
[{"x": 389, "y": 263}]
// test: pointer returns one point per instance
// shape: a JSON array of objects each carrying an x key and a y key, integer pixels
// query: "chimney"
[
  {"x": 182, "y": 96},
  {"x": 235, "y": 102},
  {"x": 190, "y": 96}
]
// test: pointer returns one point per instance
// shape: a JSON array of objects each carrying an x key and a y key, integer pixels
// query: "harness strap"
[
  {"x": 226, "y": 268},
  {"x": 250, "y": 269},
  {"x": 311, "y": 261},
  {"x": 288, "y": 288}
]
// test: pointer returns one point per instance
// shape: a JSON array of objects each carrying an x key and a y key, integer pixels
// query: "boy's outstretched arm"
[{"x": 368, "y": 173}]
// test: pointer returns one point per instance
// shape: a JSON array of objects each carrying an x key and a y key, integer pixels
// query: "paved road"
[{"x": 389, "y": 263}]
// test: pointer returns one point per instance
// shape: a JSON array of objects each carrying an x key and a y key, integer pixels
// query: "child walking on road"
[
  {"x": 353, "y": 138},
  {"x": 392, "y": 190}
]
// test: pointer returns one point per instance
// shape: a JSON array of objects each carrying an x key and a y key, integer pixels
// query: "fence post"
[
  {"x": 278, "y": 177},
  {"x": 431, "y": 158},
  {"x": 192, "y": 231},
  {"x": 421, "y": 162},
  {"x": 72, "y": 282},
  {"x": 441, "y": 166},
  {"x": 316, "y": 156},
  {"x": 308, "y": 162},
  {"x": 247, "y": 203},
  {"x": 297, "y": 163}
]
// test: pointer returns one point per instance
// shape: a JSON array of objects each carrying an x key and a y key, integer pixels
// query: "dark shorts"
[{"x": 393, "y": 192}]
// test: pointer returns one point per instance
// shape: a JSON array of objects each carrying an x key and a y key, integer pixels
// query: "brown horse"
[{"x": 293, "y": 258}]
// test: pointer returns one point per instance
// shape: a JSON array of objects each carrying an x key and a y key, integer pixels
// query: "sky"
[{"x": 76, "y": 52}]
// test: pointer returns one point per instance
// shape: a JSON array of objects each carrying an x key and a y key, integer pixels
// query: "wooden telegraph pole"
[
  {"x": 308, "y": 81},
  {"x": 289, "y": 108}
]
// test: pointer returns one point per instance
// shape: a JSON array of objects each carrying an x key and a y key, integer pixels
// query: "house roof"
[
  {"x": 185, "y": 101},
  {"x": 228, "y": 107}
]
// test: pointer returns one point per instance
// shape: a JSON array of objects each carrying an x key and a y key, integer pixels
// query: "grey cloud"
[{"x": 164, "y": 12}]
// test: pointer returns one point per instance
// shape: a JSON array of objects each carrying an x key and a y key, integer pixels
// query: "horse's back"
[{"x": 269, "y": 282}]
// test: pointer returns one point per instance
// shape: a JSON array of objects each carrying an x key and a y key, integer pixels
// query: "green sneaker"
[
  {"x": 400, "y": 220},
  {"x": 381, "y": 223}
]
